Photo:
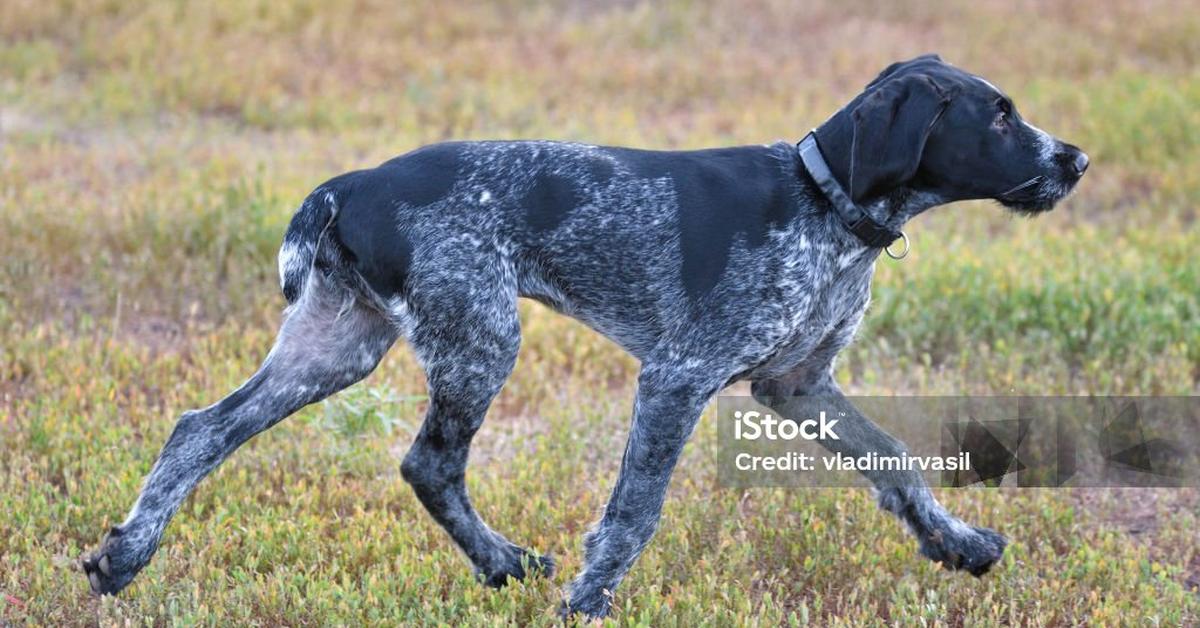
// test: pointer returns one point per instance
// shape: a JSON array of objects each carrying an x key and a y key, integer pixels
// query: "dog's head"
[{"x": 928, "y": 126}]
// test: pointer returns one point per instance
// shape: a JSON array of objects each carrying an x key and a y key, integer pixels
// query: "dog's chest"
[{"x": 823, "y": 315}]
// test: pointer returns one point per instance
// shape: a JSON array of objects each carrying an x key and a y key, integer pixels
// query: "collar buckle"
[{"x": 872, "y": 233}]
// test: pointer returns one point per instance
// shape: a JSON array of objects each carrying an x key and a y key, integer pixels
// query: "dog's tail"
[{"x": 300, "y": 244}]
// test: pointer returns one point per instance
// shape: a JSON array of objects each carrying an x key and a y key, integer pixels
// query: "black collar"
[{"x": 852, "y": 216}]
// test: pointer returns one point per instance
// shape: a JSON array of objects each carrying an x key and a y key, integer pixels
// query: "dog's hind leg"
[
  {"x": 466, "y": 335},
  {"x": 328, "y": 341}
]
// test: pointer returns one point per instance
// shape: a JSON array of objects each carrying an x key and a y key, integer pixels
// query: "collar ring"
[{"x": 902, "y": 254}]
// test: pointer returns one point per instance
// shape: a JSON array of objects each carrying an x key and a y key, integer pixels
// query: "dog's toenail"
[{"x": 105, "y": 565}]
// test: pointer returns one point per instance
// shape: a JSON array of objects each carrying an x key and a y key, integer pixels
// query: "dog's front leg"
[
  {"x": 943, "y": 537},
  {"x": 665, "y": 412}
]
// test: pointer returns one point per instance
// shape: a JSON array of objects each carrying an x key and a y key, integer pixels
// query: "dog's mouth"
[{"x": 1036, "y": 195}]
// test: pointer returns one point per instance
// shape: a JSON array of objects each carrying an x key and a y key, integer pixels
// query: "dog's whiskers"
[{"x": 1023, "y": 186}]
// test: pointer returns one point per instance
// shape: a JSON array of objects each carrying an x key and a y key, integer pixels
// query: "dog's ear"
[{"x": 891, "y": 125}]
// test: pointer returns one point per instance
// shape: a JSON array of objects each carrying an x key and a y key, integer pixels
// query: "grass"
[{"x": 151, "y": 154}]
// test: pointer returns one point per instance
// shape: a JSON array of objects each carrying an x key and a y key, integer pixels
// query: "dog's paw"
[
  {"x": 110, "y": 568},
  {"x": 972, "y": 549},
  {"x": 519, "y": 564},
  {"x": 586, "y": 606}
]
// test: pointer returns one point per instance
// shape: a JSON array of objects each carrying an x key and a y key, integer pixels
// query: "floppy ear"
[{"x": 891, "y": 125}]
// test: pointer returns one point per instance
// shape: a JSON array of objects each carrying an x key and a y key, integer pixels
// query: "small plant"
[{"x": 367, "y": 410}]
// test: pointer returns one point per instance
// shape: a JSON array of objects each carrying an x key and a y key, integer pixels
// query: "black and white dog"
[{"x": 710, "y": 266}]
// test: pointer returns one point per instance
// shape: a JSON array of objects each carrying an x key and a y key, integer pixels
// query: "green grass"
[{"x": 151, "y": 155}]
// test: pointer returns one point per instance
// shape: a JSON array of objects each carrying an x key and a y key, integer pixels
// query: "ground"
[{"x": 151, "y": 154}]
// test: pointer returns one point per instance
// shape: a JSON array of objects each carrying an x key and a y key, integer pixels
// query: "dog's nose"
[{"x": 1080, "y": 164}]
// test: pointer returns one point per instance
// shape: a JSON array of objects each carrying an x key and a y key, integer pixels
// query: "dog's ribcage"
[{"x": 569, "y": 225}]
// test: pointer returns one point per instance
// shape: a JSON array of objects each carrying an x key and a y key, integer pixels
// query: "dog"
[{"x": 710, "y": 266}]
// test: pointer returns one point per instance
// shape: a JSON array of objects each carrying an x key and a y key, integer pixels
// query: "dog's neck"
[
  {"x": 891, "y": 210},
  {"x": 897, "y": 207}
]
